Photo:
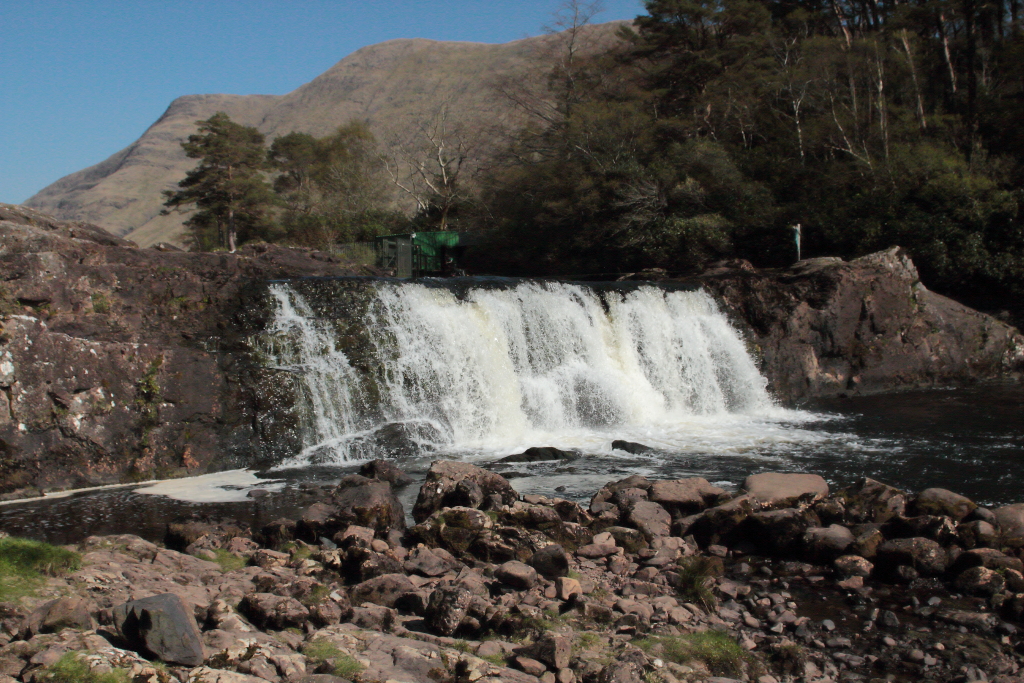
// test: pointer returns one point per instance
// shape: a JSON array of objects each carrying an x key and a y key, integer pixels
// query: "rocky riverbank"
[{"x": 669, "y": 580}]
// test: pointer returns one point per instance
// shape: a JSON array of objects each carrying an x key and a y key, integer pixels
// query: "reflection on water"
[{"x": 968, "y": 440}]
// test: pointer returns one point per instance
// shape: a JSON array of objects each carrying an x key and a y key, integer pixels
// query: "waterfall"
[{"x": 501, "y": 368}]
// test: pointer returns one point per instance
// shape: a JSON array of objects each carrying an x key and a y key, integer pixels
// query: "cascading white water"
[{"x": 500, "y": 369}]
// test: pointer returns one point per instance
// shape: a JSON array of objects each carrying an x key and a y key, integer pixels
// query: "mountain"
[{"x": 394, "y": 86}]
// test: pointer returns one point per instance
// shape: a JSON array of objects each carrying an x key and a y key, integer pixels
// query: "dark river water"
[{"x": 969, "y": 440}]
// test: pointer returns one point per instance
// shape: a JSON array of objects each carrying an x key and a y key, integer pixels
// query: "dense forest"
[{"x": 708, "y": 132}]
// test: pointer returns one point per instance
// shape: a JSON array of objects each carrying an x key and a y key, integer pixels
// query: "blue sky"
[{"x": 81, "y": 79}]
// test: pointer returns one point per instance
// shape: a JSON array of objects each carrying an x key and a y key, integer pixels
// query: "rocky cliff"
[
  {"x": 117, "y": 363},
  {"x": 826, "y": 327}
]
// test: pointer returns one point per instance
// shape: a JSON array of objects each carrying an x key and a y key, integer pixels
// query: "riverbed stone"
[
  {"x": 161, "y": 626},
  {"x": 650, "y": 519},
  {"x": 980, "y": 581},
  {"x": 385, "y": 470},
  {"x": 921, "y": 554},
  {"x": 382, "y": 590},
  {"x": 516, "y": 574},
  {"x": 1010, "y": 520},
  {"x": 551, "y": 561},
  {"x": 444, "y": 477},
  {"x": 685, "y": 496},
  {"x": 871, "y": 501},
  {"x": 369, "y": 503},
  {"x": 942, "y": 502},
  {"x": 447, "y": 608},
  {"x": 977, "y": 534},
  {"x": 783, "y": 489},
  {"x": 990, "y": 558},
  {"x": 778, "y": 532}
]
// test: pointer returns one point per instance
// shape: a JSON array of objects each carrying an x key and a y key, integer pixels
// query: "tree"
[
  {"x": 226, "y": 192},
  {"x": 332, "y": 189}
]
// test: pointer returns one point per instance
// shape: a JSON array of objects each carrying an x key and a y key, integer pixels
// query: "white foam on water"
[
  {"x": 536, "y": 364},
  {"x": 231, "y": 486}
]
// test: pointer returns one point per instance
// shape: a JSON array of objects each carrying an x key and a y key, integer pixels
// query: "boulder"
[
  {"x": 720, "y": 522},
  {"x": 778, "y": 532},
  {"x": 977, "y": 534},
  {"x": 516, "y": 574},
  {"x": 985, "y": 557},
  {"x": 822, "y": 545},
  {"x": 922, "y": 554},
  {"x": 381, "y": 590},
  {"x": 385, "y": 470},
  {"x": 267, "y": 610},
  {"x": 53, "y": 616},
  {"x": 424, "y": 561},
  {"x": 631, "y": 447},
  {"x": 980, "y": 581},
  {"x": 941, "y": 529},
  {"x": 870, "y": 501},
  {"x": 161, "y": 627},
  {"x": 551, "y": 561},
  {"x": 541, "y": 454},
  {"x": 443, "y": 478},
  {"x": 650, "y": 519},
  {"x": 779, "y": 489},
  {"x": 684, "y": 496},
  {"x": 446, "y": 609},
  {"x": 1010, "y": 520},
  {"x": 553, "y": 649},
  {"x": 852, "y": 565},
  {"x": 940, "y": 502},
  {"x": 370, "y": 504}
]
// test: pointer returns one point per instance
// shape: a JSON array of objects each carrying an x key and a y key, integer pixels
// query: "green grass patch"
[
  {"x": 496, "y": 660},
  {"x": 100, "y": 303},
  {"x": 24, "y": 564},
  {"x": 722, "y": 655},
  {"x": 315, "y": 596},
  {"x": 70, "y": 669},
  {"x": 228, "y": 562},
  {"x": 342, "y": 664},
  {"x": 695, "y": 575},
  {"x": 462, "y": 646}
]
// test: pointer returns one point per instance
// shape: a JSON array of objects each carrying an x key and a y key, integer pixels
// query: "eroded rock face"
[
  {"x": 827, "y": 327},
  {"x": 121, "y": 364}
]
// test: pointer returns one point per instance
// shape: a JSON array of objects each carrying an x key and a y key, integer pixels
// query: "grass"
[
  {"x": 342, "y": 664},
  {"x": 587, "y": 640},
  {"x": 695, "y": 575},
  {"x": 462, "y": 646},
  {"x": 24, "y": 564},
  {"x": 70, "y": 669},
  {"x": 496, "y": 660},
  {"x": 722, "y": 655},
  {"x": 228, "y": 562},
  {"x": 315, "y": 596},
  {"x": 100, "y": 303}
]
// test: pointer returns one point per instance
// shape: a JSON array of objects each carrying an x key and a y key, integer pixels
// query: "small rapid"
[{"x": 492, "y": 370}]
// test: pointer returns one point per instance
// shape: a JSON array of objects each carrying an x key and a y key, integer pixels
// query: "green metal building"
[{"x": 420, "y": 254}]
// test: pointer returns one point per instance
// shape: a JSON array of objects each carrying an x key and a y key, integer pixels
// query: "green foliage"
[
  {"x": 71, "y": 669},
  {"x": 148, "y": 394},
  {"x": 722, "y": 655},
  {"x": 333, "y": 189},
  {"x": 342, "y": 664},
  {"x": 100, "y": 303},
  {"x": 25, "y": 563},
  {"x": 8, "y": 305},
  {"x": 227, "y": 192},
  {"x": 695, "y": 575}
]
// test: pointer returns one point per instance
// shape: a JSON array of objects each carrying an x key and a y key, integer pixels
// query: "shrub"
[
  {"x": 342, "y": 664},
  {"x": 722, "y": 655},
  {"x": 70, "y": 669},
  {"x": 695, "y": 574}
]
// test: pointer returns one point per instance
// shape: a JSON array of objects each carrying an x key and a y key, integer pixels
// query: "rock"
[
  {"x": 1010, "y": 520},
  {"x": 385, "y": 470},
  {"x": 553, "y": 649},
  {"x": 540, "y": 454},
  {"x": 403, "y": 439},
  {"x": 446, "y": 609},
  {"x": 161, "y": 627},
  {"x": 443, "y": 478},
  {"x": 567, "y": 589},
  {"x": 980, "y": 581},
  {"x": 631, "y": 447},
  {"x": 628, "y": 667},
  {"x": 873, "y": 501},
  {"x": 977, "y": 534},
  {"x": 684, "y": 496},
  {"x": 941, "y": 529},
  {"x": 940, "y": 502},
  {"x": 551, "y": 561},
  {"x": 53, "y": 616},
  {"x": 985, "y": 557},
  {"x": 517, "y": 575},
  {"x": 922, "y": 554},
  {"x": 852, "y": 565},
  {"x": 371, "y": 504},
  {"x": 779, "y": 532},
  {"x": 720, "y": 522},
  {"x": 267, "y": 610},
  {"x": 596, "y": 551},
  {"x": 779, "y": 489},
  {"x": 650, "y": 519},
  {"x": 630, "y": 540},
  {"x": 423, "y": 560},
  {"x": 867, "y": 539},
  {"x": 382, "y": 590},
  {"x": 530, "y": 666},
  {"x": 823, "y": 545}
]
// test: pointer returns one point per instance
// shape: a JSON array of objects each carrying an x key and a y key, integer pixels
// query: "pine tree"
[{"x": 227, "y": 191}]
